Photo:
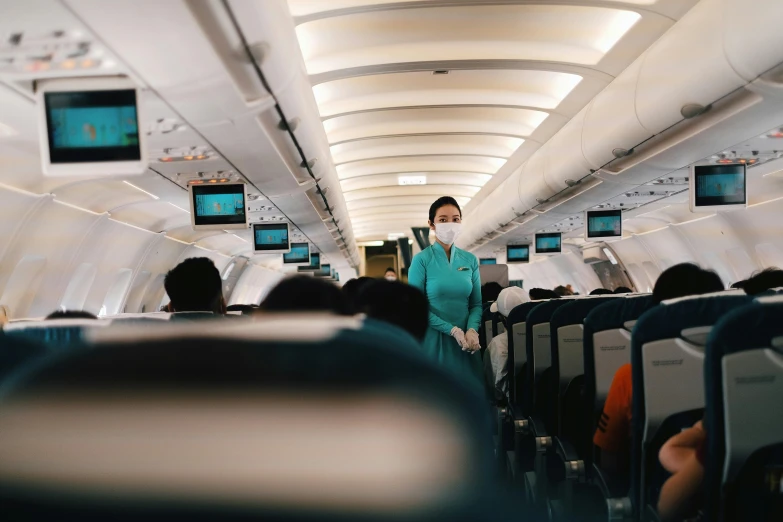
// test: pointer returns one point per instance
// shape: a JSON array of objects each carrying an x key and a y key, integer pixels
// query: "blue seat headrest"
[
  {"x": 577, "y": 309},
  {"x": 614, "y": 313}
]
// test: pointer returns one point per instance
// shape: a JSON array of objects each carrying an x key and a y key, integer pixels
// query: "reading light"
[
  {"x": 412, "y": 180},
  {"x": 165, "y": 159},
  {"x": 188, "y": 158},
  {"x": 213, "y": 181}
]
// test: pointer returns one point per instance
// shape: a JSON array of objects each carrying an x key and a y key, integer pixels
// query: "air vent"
[{"x": 440, "y": 71}]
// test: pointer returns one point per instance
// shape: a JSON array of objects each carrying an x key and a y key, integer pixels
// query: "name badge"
[{"x": 463, "y": 269}]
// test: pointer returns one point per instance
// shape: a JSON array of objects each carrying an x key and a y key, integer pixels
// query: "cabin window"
[
  {"x": 78, "y": 288},
  {"x": 117, "y": 291}
]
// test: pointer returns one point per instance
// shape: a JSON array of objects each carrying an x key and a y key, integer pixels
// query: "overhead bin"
[{"x": 718, "y": 47}]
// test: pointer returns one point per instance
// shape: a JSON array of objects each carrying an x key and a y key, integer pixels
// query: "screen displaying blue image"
[
  {"x": 219, "y": 204},
  {"x": 92, "y": 126},
  {"x": 270, "y": 237},
  {"x": 300, "y": 253},
  {"x": 719, "y": 185},
  {"x": 549, "y": 243},
  {"x": 488, "y": 261},
  {"x": 326, "y": 270},
  {"x": 604, "y": 223},
  {"x": 315, "y": 261},
  {"x": 517, "y": 253}
]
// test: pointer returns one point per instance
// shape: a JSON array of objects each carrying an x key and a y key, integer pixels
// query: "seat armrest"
[{"x": 612, "y": 486}]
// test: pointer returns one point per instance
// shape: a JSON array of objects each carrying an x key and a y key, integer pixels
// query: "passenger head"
[
  {"x": 194, "y": 285},
  {"x": 562, "y": 291},
  {"x": 622, "y": 290},
  {"x": 490, "y": 292},
  {"x": 509, "y": 299},
  {"x": 390, "y": 274},
  {"x": 683, "y": 280},
  {"x": 762, "y": 281},
  {"x": 71, "y": 314},
  {"x": 352, "y": 289},
  {"x": 538, "y": 294},
  {"x": 5, "y": 315},
  {"x": 305, "y": 294},
  {"x": 601, "y": 291},
  {"x": 396, "y": 303}
]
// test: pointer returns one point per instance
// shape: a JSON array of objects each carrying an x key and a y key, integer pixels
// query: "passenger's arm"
[
  {"x": 474, "y": 303},
  {"x": 677, "y": 450},
  {"x": 417, "y": 277},
  {"x": 678, "y": 493}
]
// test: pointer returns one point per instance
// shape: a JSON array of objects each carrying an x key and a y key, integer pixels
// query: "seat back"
[
  {"x": 667, "y": 365},
  {"x": 53, "y": 332},
  {"x": 607, "y": 346},
  {"x": 744, "y": 386},
  {"x": 517, "y": 349},
  {"x": 539, "y": 354},
  {"x": 566, "y": 346},
  {"x": 241, "y": 402}
]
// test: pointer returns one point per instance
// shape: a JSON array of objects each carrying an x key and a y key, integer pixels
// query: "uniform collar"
[{"x": 454, "y": 249}]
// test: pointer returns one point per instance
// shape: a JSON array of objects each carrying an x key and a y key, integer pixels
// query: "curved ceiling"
[{"x": 426, "y": 98}]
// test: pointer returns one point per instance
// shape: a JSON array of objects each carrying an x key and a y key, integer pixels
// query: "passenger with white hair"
[{"x": 496, "y": 365}]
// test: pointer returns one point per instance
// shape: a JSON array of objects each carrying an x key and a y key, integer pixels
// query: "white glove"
[
  {"x": 473, "y": 340},
  {"x": 459, "y": 335}
]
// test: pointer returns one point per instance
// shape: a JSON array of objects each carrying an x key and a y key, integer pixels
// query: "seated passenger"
[
  {"x": 613, "y": 435},
  {"x": 539, "y": 294},
  {"x": 508, "y": 299},
  {"x": 622, "y": 290},
  {"x": 390, "y": 275},
  {"x": 352, "y": 289},
  {"x": 71, "y": 314},
  {"x": 762, "y": 281},
  {"x": 490, "y": 292},
  {"x": 601, "y": 291},
  {"x": 305, "y": 294},
  {"x": 563, "y": 291},
  {"x": 194, "y": 285},
  {"x": 683, "y": 457},
  {"x": 396, "y": 303}
]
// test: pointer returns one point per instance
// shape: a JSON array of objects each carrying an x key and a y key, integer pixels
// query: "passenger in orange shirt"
[{"x": 613, "y": 435}]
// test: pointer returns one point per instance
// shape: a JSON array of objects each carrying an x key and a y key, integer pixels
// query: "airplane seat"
[
  {"x": 607, "y": 346},
  {"x": 667, "y": 367},
  {"x": 53, "y": 332},
  {"x": 744, "y": 384},
  {"x": 317, "y": 418},
  {"x": 16, "y": 351},
  {"x": 537, "y": 440},
  {"x": 485, "y": 330}
]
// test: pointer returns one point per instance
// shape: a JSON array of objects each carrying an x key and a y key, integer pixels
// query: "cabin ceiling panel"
[
  {"x": 440, "y": 120},
  {"x": 559, "y": 33},
  {"x": 155, "y": 216},
  {"x": 384, "y": 204},
  {"x": 513, "y": 88},
  {"x": 425, "y": 145},
  {"x": 434, "y": 191},
  {"x": 432, "y": 178},
  {"x": 423, "y": 164}
]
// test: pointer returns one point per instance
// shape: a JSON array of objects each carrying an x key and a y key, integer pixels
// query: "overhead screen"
[
  {"x": 299, "y": 254},
  {"x": 517, "y": 253},
  {"x": 488, "y": 261},
  {"x": 270, "y": 238},
  {"x": 313, "y": 266},
  {"x": 218, "y": 206},
  {"x": 549, "y": 243},
  {"x": 603, "y": 223},
  {"x": 91, "y": 126},
  {"x": 718, "y": 187},
  {"x": 326, "y": 270}
]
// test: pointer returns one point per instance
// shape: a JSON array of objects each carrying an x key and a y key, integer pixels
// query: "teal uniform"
[{"x": 453, "y": 288}]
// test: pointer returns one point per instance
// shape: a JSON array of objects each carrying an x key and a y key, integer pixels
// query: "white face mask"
[
  {"x": 391, "y": 278},
  {"x": 447, "y": 232}
]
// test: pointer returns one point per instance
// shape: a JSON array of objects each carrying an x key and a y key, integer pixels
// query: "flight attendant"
[{"x": 450, "y": 279}]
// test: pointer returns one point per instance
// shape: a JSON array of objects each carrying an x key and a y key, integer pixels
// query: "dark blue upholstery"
[
  {"x": 748, "y": 328},
  {"x": 666, "y": 322},
  {"x": 611, "y": 315},
  {"x": 15, "y": 351},
  {"x": 535, "y": 390},
  {"x": 516, "y": 381},
  {"x": 574, "y": 312},
  {"x": 375, "y": 360},
  {"x": 54, "y": 335}
]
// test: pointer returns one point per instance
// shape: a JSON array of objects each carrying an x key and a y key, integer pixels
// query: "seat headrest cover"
[
  {"x": 55, "y": 323},
  {"x": 519, "y": 314},
  {"x": 700, "y": 296},
  {"x": 667, "y": 322},
  {"x": 615, "y": 313},
  {"x": 576, "y": 310},
  {"x": 543, "y": 312}
]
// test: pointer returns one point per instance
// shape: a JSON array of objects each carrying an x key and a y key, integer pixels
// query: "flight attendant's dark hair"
[{"x": 442, "y": 202}]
